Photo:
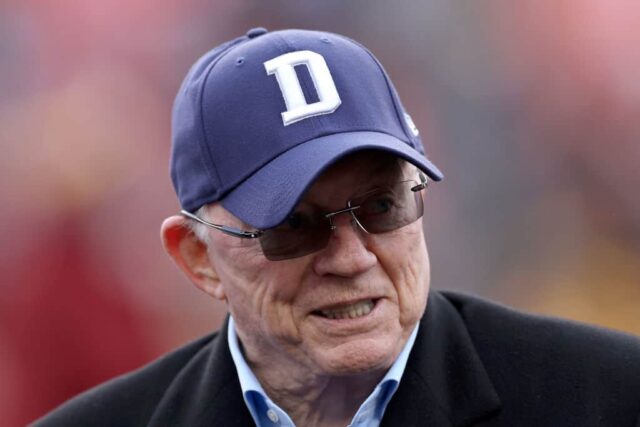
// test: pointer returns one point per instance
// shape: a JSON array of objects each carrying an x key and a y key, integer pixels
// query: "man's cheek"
[
  {"x": 401, "y": 249},
  {"x": 406, "y": 262},
  {"x": 227, "y": 259}
]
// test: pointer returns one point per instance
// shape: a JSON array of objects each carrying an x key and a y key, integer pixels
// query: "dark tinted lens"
[
  {"x": 300, "y": 234},
  {"x": 389, "y": 208},
  {"x": 378, "y": 211}
]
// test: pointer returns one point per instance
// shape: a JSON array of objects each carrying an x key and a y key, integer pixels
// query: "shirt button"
[{"x": 273, "y": 417}]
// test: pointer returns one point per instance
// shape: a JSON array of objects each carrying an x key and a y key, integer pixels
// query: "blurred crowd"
[{"x": 530, "y": 108}]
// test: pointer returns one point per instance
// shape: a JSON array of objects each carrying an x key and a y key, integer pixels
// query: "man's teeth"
[{"x": 352, "y": 311}]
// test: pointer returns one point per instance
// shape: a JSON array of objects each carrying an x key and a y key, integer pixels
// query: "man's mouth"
[{"x": 351, "y": 311}]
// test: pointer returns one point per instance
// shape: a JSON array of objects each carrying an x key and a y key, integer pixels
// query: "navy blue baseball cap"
[{"x": 258, "y": 118}]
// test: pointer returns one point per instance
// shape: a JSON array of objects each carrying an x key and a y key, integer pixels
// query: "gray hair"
[{"x": 200, "y": 230}]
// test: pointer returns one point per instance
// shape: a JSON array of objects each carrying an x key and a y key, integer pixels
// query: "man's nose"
[{"x": 347, "y": 253}]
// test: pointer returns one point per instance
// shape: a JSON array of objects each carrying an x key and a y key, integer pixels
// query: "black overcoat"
[{"x": 474, "y": 363}]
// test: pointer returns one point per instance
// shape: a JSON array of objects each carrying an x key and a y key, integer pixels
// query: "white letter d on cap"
[{"x": 297, "y": 107}]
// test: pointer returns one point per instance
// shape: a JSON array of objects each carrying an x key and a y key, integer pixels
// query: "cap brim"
[{"x": 266, "y": 198}]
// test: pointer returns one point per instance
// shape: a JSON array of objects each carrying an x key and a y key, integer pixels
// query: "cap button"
[{"x": 255, "y": 32}]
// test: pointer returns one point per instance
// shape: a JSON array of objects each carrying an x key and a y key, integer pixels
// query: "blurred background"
[{"x": 531, "y": 109}]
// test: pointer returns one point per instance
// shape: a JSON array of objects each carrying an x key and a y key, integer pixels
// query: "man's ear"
[{"x": 190, "y": 254}]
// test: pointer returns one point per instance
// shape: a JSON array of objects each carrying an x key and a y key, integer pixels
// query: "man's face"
[{"x": 297, "y": 310}]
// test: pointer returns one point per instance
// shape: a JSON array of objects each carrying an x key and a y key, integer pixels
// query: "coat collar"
[
  {"x": 206, "y": 392},
  {"x": 444, "y": 383}
]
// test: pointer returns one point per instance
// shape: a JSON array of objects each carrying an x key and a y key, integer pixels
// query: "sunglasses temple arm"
[{"x": 224, "y": 228}]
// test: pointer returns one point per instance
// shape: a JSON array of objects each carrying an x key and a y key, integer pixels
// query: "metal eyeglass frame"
[{"x": 254, "y": 234}]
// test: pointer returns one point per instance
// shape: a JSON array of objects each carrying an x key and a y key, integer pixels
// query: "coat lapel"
[
  {"x": 445, "y": 383},
  {"x": 206, "y": 392}
]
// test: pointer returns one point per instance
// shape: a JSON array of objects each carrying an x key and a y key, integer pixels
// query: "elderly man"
[{"x": 301, "y": 179}]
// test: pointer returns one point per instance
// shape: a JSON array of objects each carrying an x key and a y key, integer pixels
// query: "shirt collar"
[
  {"x": 372, "y": 408},
  {"x": 248, "y": 382}
]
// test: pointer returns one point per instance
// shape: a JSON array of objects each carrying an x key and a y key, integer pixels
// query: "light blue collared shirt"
[{"x": 266, "y": 413}]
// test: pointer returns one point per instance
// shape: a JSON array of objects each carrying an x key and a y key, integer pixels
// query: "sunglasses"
[{"x": 305, "y": 231}]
